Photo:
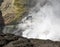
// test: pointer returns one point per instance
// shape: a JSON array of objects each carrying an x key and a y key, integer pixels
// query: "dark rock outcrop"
[{"x": 11, "y": 40}]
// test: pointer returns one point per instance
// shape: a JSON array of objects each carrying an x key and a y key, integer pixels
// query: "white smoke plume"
[{"x": 43, "y": 21}]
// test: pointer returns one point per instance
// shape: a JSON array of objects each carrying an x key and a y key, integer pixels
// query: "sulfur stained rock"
[{"x": 13, "y": 10}]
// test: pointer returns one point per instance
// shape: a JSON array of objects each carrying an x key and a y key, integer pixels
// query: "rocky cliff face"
[
  {"x": 10, "y": 40},
  {"x": 13, "y": 10}
]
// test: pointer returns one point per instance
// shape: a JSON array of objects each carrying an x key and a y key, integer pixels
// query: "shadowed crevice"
[{"x": 2, "y": 24}]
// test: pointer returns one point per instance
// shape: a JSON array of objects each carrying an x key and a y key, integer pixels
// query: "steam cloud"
[{"x": 43, "y": 21}]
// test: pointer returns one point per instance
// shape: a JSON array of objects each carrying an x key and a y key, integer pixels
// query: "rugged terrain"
[
  {"x": 11, "y": 40},
  {"x": 12, "y": 12}
]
